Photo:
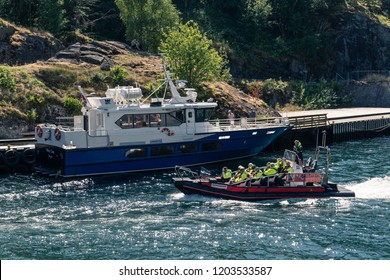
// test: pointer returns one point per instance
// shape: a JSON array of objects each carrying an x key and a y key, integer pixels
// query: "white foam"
[{"x": 372, "y": 188}]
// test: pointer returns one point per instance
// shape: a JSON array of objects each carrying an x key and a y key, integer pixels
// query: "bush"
[
  {"x": 315, "y": 95},
  {"x": 72, "y": 105},
  {"x": 272, "y": 91},
  {"x": 31, "y": 115},
  {"x": 118, "y": 75},
  {"x": 97, "y": 78},
  {"x": 6, "y": 79}
]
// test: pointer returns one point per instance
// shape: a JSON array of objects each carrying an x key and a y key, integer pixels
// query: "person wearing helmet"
[
  {"x": 280, "y": 164},
  {"x": 226, "y": 174},
  {"x": 270, "y": 169},
  {"x": 257, "y": 173},
  {"x": 240, "y": 176},
  {"x": 298, "y": 149},
  {"x": 250, "y": 168}
]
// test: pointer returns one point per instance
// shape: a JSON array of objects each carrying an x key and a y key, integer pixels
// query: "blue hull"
[{"x": 210, "y": 149}]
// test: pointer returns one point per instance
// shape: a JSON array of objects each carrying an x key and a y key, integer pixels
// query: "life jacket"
[
  {"x": 279, "y": 165},
  {"x": 257, "y": 175},
  {"x": 298, "y": 148},
  {"x": 270, "y": 171},
  {"x": 240, "y": 177},
  {"x": 227, "y": 174},
  {"x": 288, "y": 170}
]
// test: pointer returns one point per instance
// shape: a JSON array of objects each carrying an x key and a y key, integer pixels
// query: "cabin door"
[{"x": 190, "y": 119}]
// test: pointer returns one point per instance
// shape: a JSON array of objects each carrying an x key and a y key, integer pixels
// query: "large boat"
[
  {"x": 304, "y": 182},
  {"x": 124, "y": 132}
]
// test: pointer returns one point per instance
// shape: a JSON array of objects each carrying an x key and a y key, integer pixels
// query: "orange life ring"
[
  {"x": 39, "y": 131},
  {"x": 57, "y": 134},
  {"x": 166, "y": 129}
]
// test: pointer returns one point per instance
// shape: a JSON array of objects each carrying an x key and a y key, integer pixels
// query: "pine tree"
[{"x": 50, "y": 15}]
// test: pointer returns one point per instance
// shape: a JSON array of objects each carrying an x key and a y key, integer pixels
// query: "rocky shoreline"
[{"x": 20, "y": 46}]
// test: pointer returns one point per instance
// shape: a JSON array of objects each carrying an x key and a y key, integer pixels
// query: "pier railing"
[
  {"x": 312, "y": 121},
  {"x": 301, "y": 122}
]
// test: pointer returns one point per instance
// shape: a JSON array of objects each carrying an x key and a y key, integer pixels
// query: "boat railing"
[
  {"x": 282, "y": 179},
  {"x": 65, "y": 121},
  {"x": 183, "y": 172},
  {"x": 263, "y": 181},
  {"x": 245, "y": 123}
]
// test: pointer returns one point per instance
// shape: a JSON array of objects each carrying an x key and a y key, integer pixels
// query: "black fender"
[
  {"x": 11, "y": 157},
  {"x": 29, "y": 156}
]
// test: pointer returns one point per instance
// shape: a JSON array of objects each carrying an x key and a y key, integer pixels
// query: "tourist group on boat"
[
  {"x": 281, "y": 167},
  {"x": 277, "y": 169}
]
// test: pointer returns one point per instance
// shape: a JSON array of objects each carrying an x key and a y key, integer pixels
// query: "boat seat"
[{"x": 312, "y": 167}]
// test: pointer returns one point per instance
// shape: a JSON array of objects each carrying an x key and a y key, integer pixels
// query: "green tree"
[
  {"x": 22, "y": 12},
  {"x": 191, "y": 56},
  {"x": 146, "y": 20},
  {"x": 76, "y": 14},
  {"x": 256, "y": 18},
  {"x": 104, "y": 21},
  {"x": 259, "y": 11},
  {"x": 50, "y": 15}
]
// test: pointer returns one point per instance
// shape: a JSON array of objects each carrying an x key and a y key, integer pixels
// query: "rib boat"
[
  {"x": 303, "y": 183},
  {"x": 124, "y": 132}
]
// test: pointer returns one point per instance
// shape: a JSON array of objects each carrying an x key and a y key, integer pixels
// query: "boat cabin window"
[
  {"x": 162, "y": 150},
  {"x": 126, "y": 121},
  {"x": 138, "y": 120},
  {"x": 203, "y": 115},
  {"x": 151, "y": 120},
  {"x": 210, "y": 146},
  {"x": 155, "y": 119},
  {"x": 135, "y": 153},
  {"x": 141, "y": 120},
  {"x": 188, "y": 148},
  {"x": 175, "y": 118}
]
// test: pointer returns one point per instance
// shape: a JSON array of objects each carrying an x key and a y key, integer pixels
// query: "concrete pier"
[
  {"x": 340, "y": 125},
  {"x": 343, "y": 115}
]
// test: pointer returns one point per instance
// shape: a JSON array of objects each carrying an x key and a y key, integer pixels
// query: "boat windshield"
[{"x": 290, "y": 155}]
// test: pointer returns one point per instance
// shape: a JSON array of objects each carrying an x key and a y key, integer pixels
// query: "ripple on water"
[{"x": 145, "y": 217}]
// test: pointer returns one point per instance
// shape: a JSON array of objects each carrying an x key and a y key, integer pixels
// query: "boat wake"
[{"x": 372, "y": 188}]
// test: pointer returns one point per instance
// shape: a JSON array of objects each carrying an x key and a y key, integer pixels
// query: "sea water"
[{"x": 145, "y": 217}]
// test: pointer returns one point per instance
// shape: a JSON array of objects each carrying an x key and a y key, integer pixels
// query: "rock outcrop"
[
  {"x": 93, "y": 52},
  {"x": 20, "y": 46},
  {"x": 367, "y": 94},
  {"x": 361, "y": 44},
  {"x": 241, "y": 104}
]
